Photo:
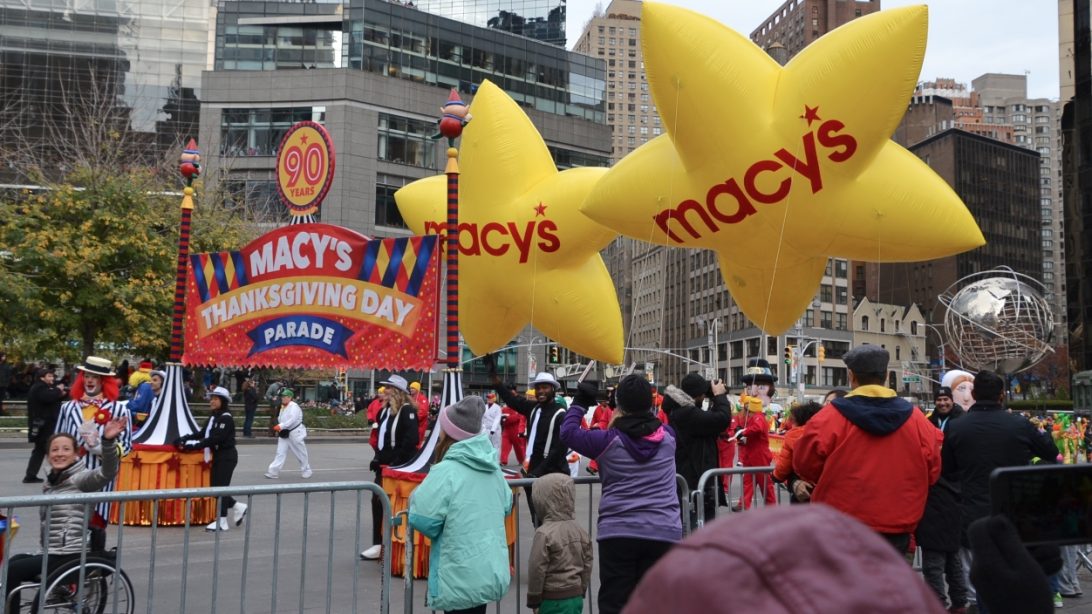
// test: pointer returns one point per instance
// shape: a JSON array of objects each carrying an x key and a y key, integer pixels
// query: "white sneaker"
[
  {"x": 372, "y": 553},
  {"x": 218, "y": 525},
  {"x": 271, "y": 476},
  {"x": 306, "y": 474},
  {"x": 238, "y": 512}
]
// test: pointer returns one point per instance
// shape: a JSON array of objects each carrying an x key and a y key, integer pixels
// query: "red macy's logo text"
[
  {"x": 842, "y": 147},
  {"x": 495, "y": 238}
]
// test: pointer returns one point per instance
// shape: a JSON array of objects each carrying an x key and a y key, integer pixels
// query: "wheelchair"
[{"x": 106, "y": 588}]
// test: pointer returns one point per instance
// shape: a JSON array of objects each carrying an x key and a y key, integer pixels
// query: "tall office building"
[
  {"x": 1035, "y": 124},
  {"x": 997, "y": 107},
  {"x": 798, "y": 23},
  {"x": 638, "y": 269},
  {"x": 999, "y": 182},
  {"x": 1076, "y": 73},
  {"x": 375, "y": 74},
  {"x": 135, "y": 64}
]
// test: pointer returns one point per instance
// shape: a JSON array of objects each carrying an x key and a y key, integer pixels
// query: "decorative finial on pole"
[{"x": 455, "y": 116}]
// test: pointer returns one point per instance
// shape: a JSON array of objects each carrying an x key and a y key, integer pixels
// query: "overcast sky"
[{"x": 967, "y": 38}]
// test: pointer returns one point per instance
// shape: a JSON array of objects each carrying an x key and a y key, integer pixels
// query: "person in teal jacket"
[{"x": 461, "y": 506}]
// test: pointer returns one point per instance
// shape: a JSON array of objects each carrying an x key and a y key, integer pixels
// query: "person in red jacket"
[
  {"x": 422, "y": 411},
  {"x": 600, "y": 421},
  {"x": 871, "y": 454},
  {"x": 512, "y": 426},
  {"x": 374, "y": 408}
]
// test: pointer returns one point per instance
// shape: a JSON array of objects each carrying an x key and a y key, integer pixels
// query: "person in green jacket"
[{"x": 461, "y": 506}]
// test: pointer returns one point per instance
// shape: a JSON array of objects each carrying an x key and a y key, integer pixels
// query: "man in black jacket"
[
  {"x": 43, "y": 407},
  {"x": 938, "y": 532},
  {"x": 696, "y": 431},
  {"x": 986, "y": 438},
  {"x": 545, "y": 451}
]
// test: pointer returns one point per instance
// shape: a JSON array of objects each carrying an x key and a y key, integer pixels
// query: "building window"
[
  {"x": 898, "y": 352},
  {"x": 864, "y": 323},
  {"x": 841, "y": 268},
  {"x": 883, "y": 325},
  {"x": 256, "y": 199},
  {"x": 825, "y": 294},
  {"x": 258, "y": 132},
  {"x": 827, "y": 320},
  {"x": 842, "y": 295},
  {"x": 386, "y": 211},
  {"x": 407, "y": 141},
  {"x": 913, "y": 327},
  {"x": 842, "y": 322}
]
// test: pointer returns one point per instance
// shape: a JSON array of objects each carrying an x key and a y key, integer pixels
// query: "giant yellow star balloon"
[
  {"x": 526, "y": 252},
  {"x": 777, "y": 168}
]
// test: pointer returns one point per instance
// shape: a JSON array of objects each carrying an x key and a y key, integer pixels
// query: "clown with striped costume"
[{"x": 94, "y": 403}]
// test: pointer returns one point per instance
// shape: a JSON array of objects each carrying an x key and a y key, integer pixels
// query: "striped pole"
[
  {"x": 190, "y": 167},
  {"x": 180, "y": 275},
  {"x": 452, "y": 171}
]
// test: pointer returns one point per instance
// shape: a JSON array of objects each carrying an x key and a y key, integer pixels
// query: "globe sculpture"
[{"x": 998, "y": 320}]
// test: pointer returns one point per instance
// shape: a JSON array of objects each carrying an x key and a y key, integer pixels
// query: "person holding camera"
[
  {"x": 696, "y": 431},
  {"x": 43, "y": 408}
]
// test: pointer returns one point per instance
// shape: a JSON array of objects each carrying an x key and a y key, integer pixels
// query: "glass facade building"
[
  {"x": 134, "y": 63},
  {"x": 412, "y": 43}
]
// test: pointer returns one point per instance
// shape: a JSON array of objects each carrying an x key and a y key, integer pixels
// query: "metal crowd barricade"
[
  {"x": 402, "y": 519},
  {"x": 699, "y": 494},
  {"x": 212, "y": 584}
]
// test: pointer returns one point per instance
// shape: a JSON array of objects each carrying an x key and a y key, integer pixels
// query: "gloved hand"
[
  {"x": 802, "y": 490},
  {"x": 1006, "y": 576},
  {"x": 504, "y": 418},
  {"x": 374, "y": 465},
  {"x": 585, "y": 395},
  {"x": 742, "y": 440}
]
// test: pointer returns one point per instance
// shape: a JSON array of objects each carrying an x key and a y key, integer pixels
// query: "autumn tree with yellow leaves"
[{"x": 87, "y": 266}]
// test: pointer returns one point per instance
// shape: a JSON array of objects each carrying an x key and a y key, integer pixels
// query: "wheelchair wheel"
[{"x": 106, "y": 589}]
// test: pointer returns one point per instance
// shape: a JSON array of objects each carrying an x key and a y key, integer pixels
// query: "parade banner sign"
[{"x": 315, "y": 295}]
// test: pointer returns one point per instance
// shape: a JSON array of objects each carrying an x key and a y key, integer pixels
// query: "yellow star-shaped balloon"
[
  {"x": 526, "y": 252},
  {"x": 778, "y": 168}
]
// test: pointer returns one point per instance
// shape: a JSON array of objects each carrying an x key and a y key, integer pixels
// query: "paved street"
[{"x": 274, "y": 559}]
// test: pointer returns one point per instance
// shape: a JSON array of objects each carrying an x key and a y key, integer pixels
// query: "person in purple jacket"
[{"x": 639, "y": 518}]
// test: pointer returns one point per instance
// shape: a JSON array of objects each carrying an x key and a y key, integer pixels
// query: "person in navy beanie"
[{"x": 639, "y": 518}]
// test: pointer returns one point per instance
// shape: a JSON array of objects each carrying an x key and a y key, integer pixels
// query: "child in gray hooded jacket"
[{"x": 561, "y": 554}]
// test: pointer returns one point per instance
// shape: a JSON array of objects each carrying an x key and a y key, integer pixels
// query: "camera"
[{"x": 1048, "y": 504}]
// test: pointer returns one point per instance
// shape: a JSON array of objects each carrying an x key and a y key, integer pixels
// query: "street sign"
[{"x": 911, "y": 379}]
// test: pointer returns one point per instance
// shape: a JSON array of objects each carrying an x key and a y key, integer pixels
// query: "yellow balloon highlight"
[
  {"x": 526, "y": 252},
  {"x": 778, "y": 168}
]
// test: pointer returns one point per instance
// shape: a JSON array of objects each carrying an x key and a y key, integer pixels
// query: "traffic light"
[
  {"x": 822, "y": 353},
  {"x": 788, "y": 354},
  {"x": 555, "y": 355}
]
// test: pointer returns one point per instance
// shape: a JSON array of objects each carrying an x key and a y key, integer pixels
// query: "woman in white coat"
[{"x": 290, "y": 436}]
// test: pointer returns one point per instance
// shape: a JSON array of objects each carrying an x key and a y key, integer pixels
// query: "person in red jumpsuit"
[
  {"x": 726, "y": 454},
  {"x": 513, "y": 424},
  {"x": 754, "y": 439}
]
